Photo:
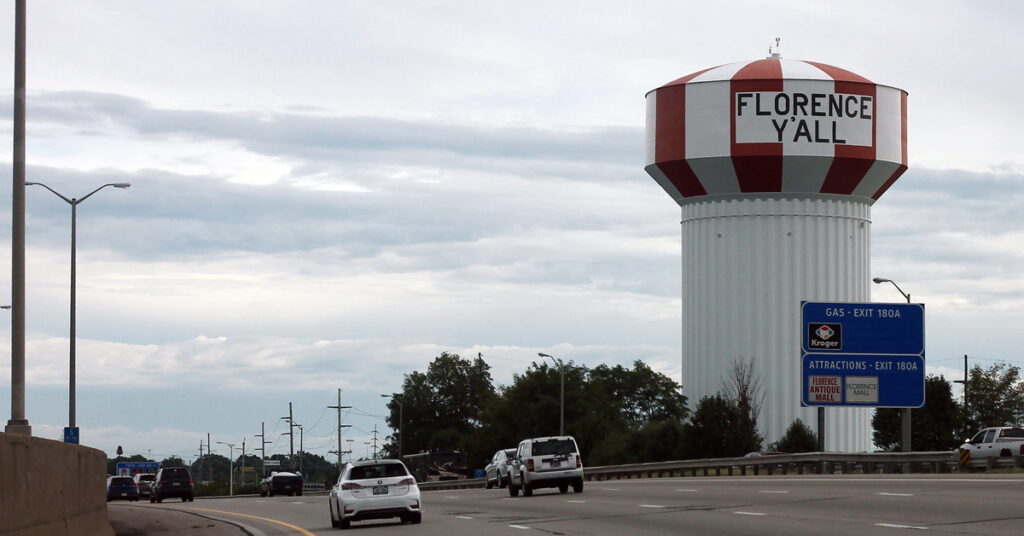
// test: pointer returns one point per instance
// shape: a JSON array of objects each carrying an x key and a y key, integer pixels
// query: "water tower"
[{"x": 775, "y": 164}]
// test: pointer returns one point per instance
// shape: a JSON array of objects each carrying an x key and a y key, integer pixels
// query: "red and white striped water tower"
[{"x": 775, "y": 164}]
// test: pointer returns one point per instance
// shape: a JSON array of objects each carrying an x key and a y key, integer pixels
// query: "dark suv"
[
  {"x": 281, "y": 483},
  {"x": 172, "y": 482}
]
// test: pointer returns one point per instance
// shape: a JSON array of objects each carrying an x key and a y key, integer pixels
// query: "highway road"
[{"x": 782, "y": 505}]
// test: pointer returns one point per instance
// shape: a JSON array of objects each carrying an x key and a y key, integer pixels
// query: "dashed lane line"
[
  {"x": 520, "y": 527},
  {"x": 897, "y": 526},
  {"x": 651, "y": 506},
  {"x": 895, "y": 494},
  {"x": 773, "y": 491},
  {"x": 750, "y": 513}
]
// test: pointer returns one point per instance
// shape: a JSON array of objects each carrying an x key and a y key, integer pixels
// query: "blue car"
[{"x": 122, "y": 487}]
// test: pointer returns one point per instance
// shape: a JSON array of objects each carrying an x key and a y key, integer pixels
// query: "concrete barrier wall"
[{"x": 51, "y": 488}]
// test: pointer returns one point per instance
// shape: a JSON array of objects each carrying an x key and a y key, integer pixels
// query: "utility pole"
[
  {"x": 375, "y": 442},
  {"x": 263, "y": 446},
  {"x": 967, "y": 418},
  {"x": 18, "y": 424},
  {"x": 291, "y": 435},
  {"x": 339, "y": 407},
  {"x": 302, "y": 453},
  {"x": 209, "y": 461},
  {"x": 243, "y": 462}
]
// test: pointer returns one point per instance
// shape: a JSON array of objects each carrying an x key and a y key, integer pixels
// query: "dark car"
[
  {"x": 122, "y": 487},
  {"x": 172, "y": 482},
  {"x": 281, "y": 483}
]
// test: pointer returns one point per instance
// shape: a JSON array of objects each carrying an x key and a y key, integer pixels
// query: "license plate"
[
  {"x": 124, "y": 494},
  {"x": 556, "y": 463},
  {"x": 175, "y": 483},
  {"x": 380, "y": 490}
]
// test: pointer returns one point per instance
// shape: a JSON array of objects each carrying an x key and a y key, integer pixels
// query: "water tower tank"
[{"x": 775, "y": 164}]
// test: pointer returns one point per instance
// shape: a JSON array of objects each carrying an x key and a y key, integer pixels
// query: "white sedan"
[{"x": 375, "y": 489}]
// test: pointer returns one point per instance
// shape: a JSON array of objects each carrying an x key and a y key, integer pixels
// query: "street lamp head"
[
  {"x": 385, "y": 396},
  {"x": 542, "y": 354},
  {"x": 881, "y": 280},
  {"x": 121, "y": 185}
]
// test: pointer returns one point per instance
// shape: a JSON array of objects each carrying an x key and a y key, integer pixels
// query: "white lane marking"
[
  {"x": 773, "y": 491},
  {"x": 576, "y": 502},
  {"x": 609, "y": 489},
  {"x": 750, "y": 513},
  {"x": 464, "y": 517},
  {"x": 895, "y": 494},
  {"x": 519, "y": 527},
  {"x": 895, "y": 526},
  {"x": 694, "y": 490},
  {"x": 650, "y": 506},
  {"x": 450, "y": 497}
]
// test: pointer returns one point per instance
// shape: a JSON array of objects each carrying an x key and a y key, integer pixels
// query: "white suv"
[{"x": 546, "y": 462}]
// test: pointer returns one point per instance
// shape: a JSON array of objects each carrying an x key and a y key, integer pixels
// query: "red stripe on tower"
[
  {"x": 670, "y": 145},
  {"x": 852, "y": 162},
  {"x": 758, "y": 165}
]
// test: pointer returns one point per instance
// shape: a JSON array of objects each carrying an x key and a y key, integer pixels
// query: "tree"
[
  {"x": 442, "y": 408},
  {"x": 172, "y": 461},
  {"x": 798, "y": 438},
  {"x": 932, "y": 427},
  {"x": 742, "y": 386},
  {"x": 995, "y": 397},
  {"x": 642, "y": 394},
  {"x": 719, "y": 428}
]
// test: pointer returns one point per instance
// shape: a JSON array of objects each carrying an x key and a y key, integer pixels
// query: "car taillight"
[
  {"x": 529, "y": 465},
  {"x": 406, "y": 482},
  {"x": 579, "y": 461},
  {"x": 508, "y": 462},
  {"x": 190, "y": 482},
  {"x": 350, "y": 486}
]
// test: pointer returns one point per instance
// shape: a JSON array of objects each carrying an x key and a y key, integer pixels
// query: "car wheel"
[
  {"x": 344, "y": 524},
  {"x": 563, "y": 488},
  {"x": 487, "y": 483},
  {"x": 577, "y": 487},
  {"x": 159, "y": 499},
  {"x": 416, "y": 518},
  {"x": 527, "y": 490},
  {"x": 513, "y": 490},
  {"x": 298, "y": 494},
  {"x": 191, "y": 498},
  {"x": 152, "y": 499}
]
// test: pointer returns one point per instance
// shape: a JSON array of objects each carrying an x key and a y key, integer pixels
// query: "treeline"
[
  {"x": 630, "y": 415},
  {"x": 617, "y": 414}
]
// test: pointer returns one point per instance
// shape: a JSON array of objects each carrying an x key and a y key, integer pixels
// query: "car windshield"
[
  {"x": 382, "y": 470},
  {"x": 121, "y": 481},
  {"x": 554, "y": 446},
  {"x": 147, "y": 477}
]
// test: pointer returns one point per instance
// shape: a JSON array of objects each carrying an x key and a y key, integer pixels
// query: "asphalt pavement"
[{"x": 127, "y": 522}]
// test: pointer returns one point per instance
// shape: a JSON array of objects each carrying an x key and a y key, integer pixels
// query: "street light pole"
[
  {"x": 904, "y": 412},
  {"x": 401, "y": 435},
  {"x": 231, "y": 467},
  {"x": 561, "y": 414},
  {"x": 74, "y": 211}
]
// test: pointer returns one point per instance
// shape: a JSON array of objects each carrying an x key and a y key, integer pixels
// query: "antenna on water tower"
[{"x": 776, "y": 54}]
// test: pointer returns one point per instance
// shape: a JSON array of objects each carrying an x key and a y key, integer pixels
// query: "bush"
[{"x": 798, "y": 438}]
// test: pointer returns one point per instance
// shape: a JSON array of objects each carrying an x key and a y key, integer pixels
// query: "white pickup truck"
[{"x": 995, "y": 442}]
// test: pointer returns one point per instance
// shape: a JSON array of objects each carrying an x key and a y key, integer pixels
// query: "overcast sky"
[{"x": 329, "y": 194}]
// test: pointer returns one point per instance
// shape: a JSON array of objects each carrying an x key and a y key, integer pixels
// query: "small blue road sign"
[{"x": 71, "y": 434}]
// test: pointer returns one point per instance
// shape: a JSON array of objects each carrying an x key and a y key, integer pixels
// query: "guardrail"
[{"x": 781, "y": 464}]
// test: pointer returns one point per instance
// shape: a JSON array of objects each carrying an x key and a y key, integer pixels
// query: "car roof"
[{"x": 363, "y": 463}]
